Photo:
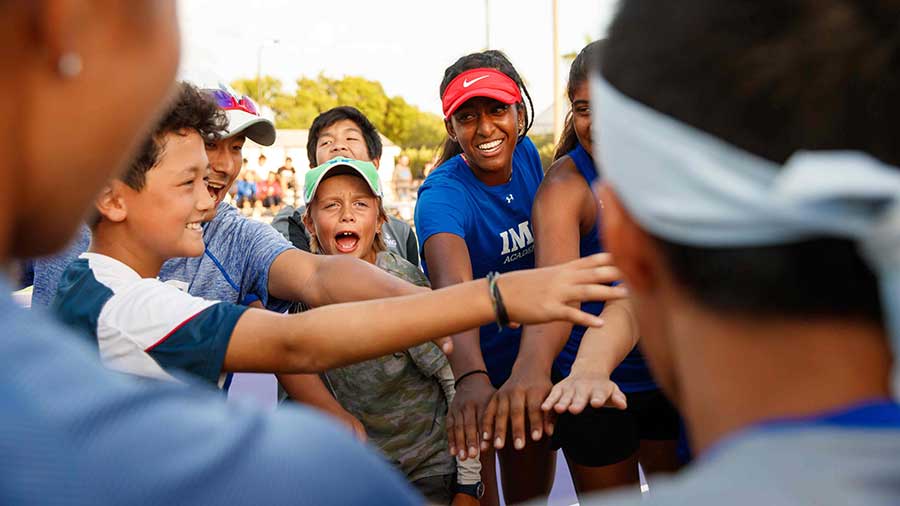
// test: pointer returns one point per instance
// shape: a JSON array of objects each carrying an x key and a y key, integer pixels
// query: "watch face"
[{"x": 476, "y": 489}]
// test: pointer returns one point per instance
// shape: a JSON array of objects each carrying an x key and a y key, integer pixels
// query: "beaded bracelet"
[{"x": 497, "y": 300}]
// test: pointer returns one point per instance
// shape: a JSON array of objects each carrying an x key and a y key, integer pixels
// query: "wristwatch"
[{"x": 475, "y": 490}]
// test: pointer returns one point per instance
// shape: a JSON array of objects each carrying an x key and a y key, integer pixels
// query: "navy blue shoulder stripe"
[
  {"x": 198, "y": 345},
  {"x": 80, "y": 298}
]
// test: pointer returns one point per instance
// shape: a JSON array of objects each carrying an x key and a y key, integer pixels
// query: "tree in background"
[
  {"x": 398, "y": 120},
  {"x": 418, "y": 133}
]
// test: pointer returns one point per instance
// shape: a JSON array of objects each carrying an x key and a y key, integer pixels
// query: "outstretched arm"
[
  {"x": 340, "y": 334},
  {"x": 319, "y": 280},
  {"x": 601, "y": 351}
]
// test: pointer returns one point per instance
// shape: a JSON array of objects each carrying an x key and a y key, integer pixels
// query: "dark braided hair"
[
  {"x": 486, "y": 59},
  {"x": 578, "y": 73}
]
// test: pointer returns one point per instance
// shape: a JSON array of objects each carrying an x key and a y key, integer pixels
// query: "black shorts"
[{"x": 604, "y": 436}]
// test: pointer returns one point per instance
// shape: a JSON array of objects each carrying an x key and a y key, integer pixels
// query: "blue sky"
[{"x": 405, "y": 44}]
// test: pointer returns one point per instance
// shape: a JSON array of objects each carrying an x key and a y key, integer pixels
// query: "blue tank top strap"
[{"x": 584, "y": 163}]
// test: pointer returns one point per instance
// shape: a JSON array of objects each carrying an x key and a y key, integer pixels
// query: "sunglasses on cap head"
[{"x": 228, "y": 101}]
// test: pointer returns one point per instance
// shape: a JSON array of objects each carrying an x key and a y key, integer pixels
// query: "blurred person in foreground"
[
  {"x": 72, "y": 431},
  {"x": 751, "y": 195}
]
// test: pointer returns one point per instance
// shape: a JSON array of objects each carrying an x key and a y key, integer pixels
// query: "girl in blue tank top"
[{"x": 602, "y": 446}]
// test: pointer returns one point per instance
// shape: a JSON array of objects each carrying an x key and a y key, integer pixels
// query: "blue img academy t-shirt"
[
  {"x": 495, "y": 222},
  {"x": 234, "y": 268},
  {"x": 632, "y": 375}
]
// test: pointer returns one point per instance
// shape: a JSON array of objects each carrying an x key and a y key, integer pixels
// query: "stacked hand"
[
  {"x": 520, "y": 397},
  {"x": 472, "y": 396},
  {"x": 581, "y": 388}
]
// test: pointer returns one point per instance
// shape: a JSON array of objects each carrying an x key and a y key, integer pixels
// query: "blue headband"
[{"x": 689, "y": 187}]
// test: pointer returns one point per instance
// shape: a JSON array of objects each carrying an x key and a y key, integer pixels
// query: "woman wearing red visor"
[{"x": 473, "y": 217}]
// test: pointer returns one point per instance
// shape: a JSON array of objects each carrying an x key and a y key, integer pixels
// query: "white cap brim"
[{"x": 256, "y": 128}]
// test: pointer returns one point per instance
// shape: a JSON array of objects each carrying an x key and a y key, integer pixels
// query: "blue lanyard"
[{"x": 249, "y": 298}]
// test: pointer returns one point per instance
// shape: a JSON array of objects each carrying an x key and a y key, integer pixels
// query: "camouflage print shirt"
[{"x": 399, "y": 398}]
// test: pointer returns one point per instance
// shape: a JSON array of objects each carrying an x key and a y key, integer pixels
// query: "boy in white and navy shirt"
[{"x": 142, "y": 325}]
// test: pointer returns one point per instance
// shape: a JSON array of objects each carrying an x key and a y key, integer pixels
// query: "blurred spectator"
[
  {"x": 287, "y": 176},
  {"x": 246, "y": 190},
  {"x": 261, "y": 167},
  {"x": 269, "y": 192},
  {"x": 402, "y": 178}
]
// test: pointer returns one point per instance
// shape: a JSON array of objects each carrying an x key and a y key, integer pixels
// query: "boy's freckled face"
[
  {"x": 165, "y": 215},
  {"x": 341, "y": 138},
  {"x": 345, "y": 217}
]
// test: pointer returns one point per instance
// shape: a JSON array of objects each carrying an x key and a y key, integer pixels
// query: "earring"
[{"x": 69, "y": 65}]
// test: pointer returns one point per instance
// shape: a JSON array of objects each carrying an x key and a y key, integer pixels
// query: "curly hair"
[{"x": 191, "y": 110}]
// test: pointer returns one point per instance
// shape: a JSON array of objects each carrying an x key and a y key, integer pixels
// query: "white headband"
[{"x": 687, "y": 186}]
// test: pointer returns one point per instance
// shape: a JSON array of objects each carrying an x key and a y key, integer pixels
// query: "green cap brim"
[{"x": 366, "y": 170}]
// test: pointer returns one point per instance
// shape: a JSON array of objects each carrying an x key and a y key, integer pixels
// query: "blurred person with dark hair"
[{"x": 751, "y": 194}]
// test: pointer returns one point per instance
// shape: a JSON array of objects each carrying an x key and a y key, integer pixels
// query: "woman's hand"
[
  {"x": 520, "y": 396},
  {"x": 580, "y": 388},
  {"x": 553, "y": 293}
]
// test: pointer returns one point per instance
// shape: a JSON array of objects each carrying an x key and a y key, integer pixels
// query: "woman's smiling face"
[{"x": 487, "y": 131}]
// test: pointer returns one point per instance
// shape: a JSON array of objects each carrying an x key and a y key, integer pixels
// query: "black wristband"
[
  {"x": 475, "y": 490},
  {"x": 497, "y": 301},
  {"x": 476, "y": 371}
]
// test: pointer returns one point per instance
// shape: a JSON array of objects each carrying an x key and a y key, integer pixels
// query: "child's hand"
[
  {"x": 354, "y": 425},
  {"x": 553, "y": 293},
  {"x": 581, "y": 387}
]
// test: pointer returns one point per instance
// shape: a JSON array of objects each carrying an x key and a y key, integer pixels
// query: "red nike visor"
[{"x": 484, "y": 82}]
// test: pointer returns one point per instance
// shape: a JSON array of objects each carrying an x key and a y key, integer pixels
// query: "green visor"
[{"x": 344, "y": 166}]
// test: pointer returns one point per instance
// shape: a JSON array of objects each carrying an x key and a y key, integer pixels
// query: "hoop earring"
[{"x": 69, "y": 65}]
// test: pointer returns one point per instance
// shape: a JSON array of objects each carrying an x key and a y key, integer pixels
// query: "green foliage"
[
  {"x": 270, "y": 87},
  {"x": 399, "y": 121},
  {"x": 546, "y": 147},
  {"x": 418, "y": 157}
]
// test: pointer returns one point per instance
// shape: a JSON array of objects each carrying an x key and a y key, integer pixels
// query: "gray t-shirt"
[
  {"x": 397, "y": 234},
  {"x": 852, "y": 458},
  {"x": 235, "y": 267}
]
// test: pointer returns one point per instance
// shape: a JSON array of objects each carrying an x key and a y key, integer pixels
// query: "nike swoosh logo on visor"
[{"x": 467, "y": 83}]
